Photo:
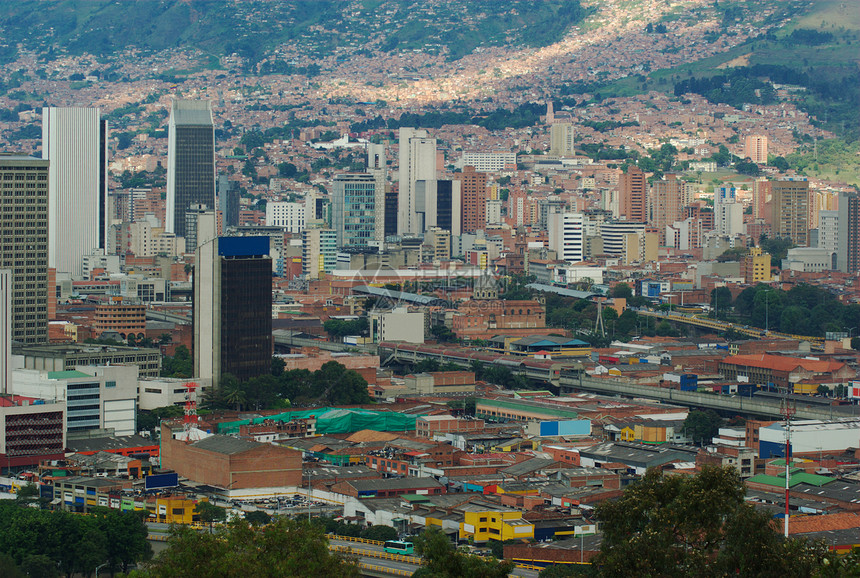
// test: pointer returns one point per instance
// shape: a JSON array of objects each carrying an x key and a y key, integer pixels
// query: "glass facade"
[
  {"x": 246, "y": 316},
  {"x": 354, "y": 209},
  {"x": 195, "y": 171}
]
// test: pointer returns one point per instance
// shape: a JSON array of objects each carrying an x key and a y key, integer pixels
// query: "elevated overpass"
[
  {"x": 292, "y": 339},
  {"x": 568, "y": 376}
]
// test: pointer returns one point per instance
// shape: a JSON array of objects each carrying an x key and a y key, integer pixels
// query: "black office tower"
[
  {"x": 190, "y": 161},
  {"x": 391, "y": 213},
  {"x": 233, "y": 308}
]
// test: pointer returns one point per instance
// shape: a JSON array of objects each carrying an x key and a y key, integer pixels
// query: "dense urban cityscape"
[{"x": 381, "y": 288}]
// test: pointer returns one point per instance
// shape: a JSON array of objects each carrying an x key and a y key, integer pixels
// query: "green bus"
[{"x": 398, "y": 547}]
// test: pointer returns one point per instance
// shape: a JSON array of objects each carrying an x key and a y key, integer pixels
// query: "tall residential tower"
[{"x": 24, "y": 243}]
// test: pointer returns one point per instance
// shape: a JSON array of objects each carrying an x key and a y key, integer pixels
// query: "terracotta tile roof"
[
  {"x": 824, "y": 523},
  {"x": 782, "y": 363},
  {"x": 369, "y": 435}
]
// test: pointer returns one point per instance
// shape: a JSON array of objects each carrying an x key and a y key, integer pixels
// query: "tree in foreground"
[
  {"x": 698, "y": 526},
  {"x": 283, "y": 548},
  {"x": 442, "y": 560}
]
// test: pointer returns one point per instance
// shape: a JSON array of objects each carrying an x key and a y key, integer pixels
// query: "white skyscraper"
[
  {"x": 728, "y": 212},
  {"x": 417, "y": 156},
  {"x": 567, "y": 236},
  {"x": 5, "y": 330},
  {"x": 74, "y": 140}
]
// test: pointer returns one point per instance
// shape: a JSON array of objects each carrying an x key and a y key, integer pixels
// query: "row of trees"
[
  {"x": 46, "y": 543},
  {"x": 285, "y": 547},
  {"x": 332, "y": 384},
  {"x": 802, "y": 310}
]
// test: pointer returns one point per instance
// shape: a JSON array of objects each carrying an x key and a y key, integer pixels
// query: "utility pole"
[{"x": 788, "y": 410}]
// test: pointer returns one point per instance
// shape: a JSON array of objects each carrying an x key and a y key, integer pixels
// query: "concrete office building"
[
  {"x": 417, "y": 157},
  {"x": 790, "y": 210},
  {"x": 233, "y": 308},
  {"x": 377, "y": 168},
  {"x": 190, "y": 161},
  {"x": 5, "y": 330},
  {"x": 488, "y": 162},
  {"x": 848, "y": 251},
  {"x": 319, "y": 252},
  {"x": 74, "y": 140},
  {"x": 200, "y": 226},
  {"x": 68, "y": 356},
  {"x": 669, "y": 197},
  {"x": 290, "y": 216},
  {"x": 24, "y": 243},
  {"x": 96, "y": 398},
  {"x": 354, "y": 209},
  {"x": 30, "y": 433},
  {"x": 439, "y": 204},
  {"x": 228, "y": 201},
  {"x": 566, "y": 236},
  {"x": 728, "y": 212},
  {"x": 561, "y": 139}
]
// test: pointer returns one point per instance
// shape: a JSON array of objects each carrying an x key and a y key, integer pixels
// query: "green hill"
[{"x": 253, "y": 27}]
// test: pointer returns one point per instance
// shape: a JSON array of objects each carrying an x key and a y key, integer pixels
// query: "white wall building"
[
  {"x": 103, "y": 397},
  {"x": 811, "y": 436},
  {"x": 74, "y": 141},
  {"x": 398, "y": 325},
  {"x": 285, "y": 214},
  {"x": 809, "y": 260},
  {"x": 487, "y": 162},
  {"x": 155, "y": 392},
  {"x": 566, "y": 236},
  {"x": 417, "y": 157},
  {"x": 728, "y": 212}
]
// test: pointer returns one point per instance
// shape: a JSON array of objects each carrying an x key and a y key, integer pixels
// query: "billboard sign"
[{"x": 159, "y": 481}]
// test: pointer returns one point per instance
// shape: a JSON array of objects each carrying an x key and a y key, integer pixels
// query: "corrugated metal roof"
[{"x": 226, "y": 445}]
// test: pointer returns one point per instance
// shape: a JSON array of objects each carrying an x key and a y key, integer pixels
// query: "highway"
[
  {"x": 371, "y": 553},
  {"x": 567, "y": 378}
]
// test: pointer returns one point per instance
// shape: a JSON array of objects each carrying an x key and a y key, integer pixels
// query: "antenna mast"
[{"x": 190, "y": 420}]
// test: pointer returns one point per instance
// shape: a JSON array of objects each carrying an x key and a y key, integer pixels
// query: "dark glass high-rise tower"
[
  {"x": 190, "y": 161},
  {"x": 233, "y": 308}
]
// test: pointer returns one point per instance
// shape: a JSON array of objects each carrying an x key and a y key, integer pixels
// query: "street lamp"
[
  {"x": 766, "y": 311},
  {"x": 99, "y": 567}
]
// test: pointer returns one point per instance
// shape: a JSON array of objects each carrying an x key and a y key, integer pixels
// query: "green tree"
[
  {"x": 381, "y": 533},
  {"x": 209, "y": 513},
  {"x": 283, "y": 548},
  {"x": 696, "y": 526},
  {"x": 442, "y": 560},
  {"x": 621, "y": 290},
  {"x": 701, "y": 426},
  {"x": 258, "y": 518},
  {"x": 127, "y": 544}
]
